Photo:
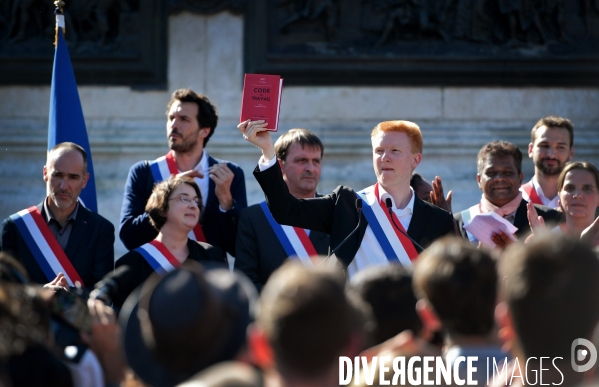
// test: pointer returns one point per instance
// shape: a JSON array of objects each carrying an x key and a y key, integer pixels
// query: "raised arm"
[
  {"x": 255, "y": 133},
  {"x": 136, "y": 229}
]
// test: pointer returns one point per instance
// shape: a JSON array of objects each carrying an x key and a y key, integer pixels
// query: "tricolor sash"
[
  {"x": 467, "y": 216},
  {"x": 162, "y": 168},
  {"x": 158, "y": 256},
  {"x": 295, "y": 240},
  {"x": 395, "y": 245},
  {"x": 44, "y": 247},
  {"x": 530, "y": 194}
]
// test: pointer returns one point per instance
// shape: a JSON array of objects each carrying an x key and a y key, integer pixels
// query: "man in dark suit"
[
  {"x": 60, "y": 241},
  {"x": 397, "y": 151},
  {"x": 499, "y": 165},
  {"x": 263, "y": 246},
  {"x": 191, "y": 120}
]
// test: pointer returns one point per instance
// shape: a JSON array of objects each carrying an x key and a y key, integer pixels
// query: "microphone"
[
  {"x": 359, "y": 209},
  {"x": 108, "y": 287},
  {"x": 389, "y": 204}
]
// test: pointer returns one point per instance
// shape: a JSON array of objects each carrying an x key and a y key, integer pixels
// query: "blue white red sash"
[
  {"x": 295, "y": 240},
  {"x": 395, "y": 245},
  {"x": 467, "y": 216},
  {"x": 529, "y": 193},
  {"x": 44, "y": 247},
  {"x": 158, "y": 256},
  {"x": 162, "y": 168}
]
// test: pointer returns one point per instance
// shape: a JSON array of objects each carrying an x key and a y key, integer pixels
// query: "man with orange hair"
[{"x": 381, "y": 237}]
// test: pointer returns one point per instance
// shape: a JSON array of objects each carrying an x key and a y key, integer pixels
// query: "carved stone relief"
[{"x": 425, "y": 41}]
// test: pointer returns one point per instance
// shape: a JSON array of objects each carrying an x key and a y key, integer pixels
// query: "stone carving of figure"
[
  {"x": 587, "y": 6},
  {"x": 465, "y": 20},
  {"x": 554, "y": 13},
  {"x": 402, "y": 13},
  {"x": 312, "y": 9},
  {"x": 24, "y": 21}
]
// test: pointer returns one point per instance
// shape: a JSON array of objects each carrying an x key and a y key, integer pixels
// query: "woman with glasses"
[{"x": 174, "y": 209}]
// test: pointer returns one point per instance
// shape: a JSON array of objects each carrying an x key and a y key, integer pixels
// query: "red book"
[{"x": 262, "y": 99}]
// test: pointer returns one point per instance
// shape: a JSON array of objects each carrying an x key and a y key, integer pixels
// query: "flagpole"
[
  {"x": 59, "y": 12},
  {"x": 66, "y": 122}
]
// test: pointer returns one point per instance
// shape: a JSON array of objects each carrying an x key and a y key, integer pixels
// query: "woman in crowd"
[
  {"x": 578, "y": 190},
  {"x": 174, "y": 209}
]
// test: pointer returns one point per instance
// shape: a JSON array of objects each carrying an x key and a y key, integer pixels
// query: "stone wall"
[{"x": 205, "y": 54}]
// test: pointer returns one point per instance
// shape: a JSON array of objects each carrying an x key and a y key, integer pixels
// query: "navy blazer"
[
  {"x": 336, "y": 214},
  {"x": 220, "y": 228},
  {"x": 259, "y": 252},
  {"x": 90, "y": 248}
]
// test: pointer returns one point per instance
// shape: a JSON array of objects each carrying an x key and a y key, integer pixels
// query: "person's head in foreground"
[
  {"x": 305, "y": 323},
  {"x": 179, "y": 324},
  {"x": 550, "y": 298},
  {"x": 456, "y": 284},
  {"x": 387, "y": 290}
]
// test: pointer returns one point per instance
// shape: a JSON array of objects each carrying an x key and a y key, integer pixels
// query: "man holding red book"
[
  {"x": 392, "y": 225},
  {"x": 262, "y": 244}
]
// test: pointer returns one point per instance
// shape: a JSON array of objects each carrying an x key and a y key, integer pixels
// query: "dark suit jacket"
[
  {"x": 219, "y": 227},
  {"x": 141, "y": 269},
  {"x": 90, "y": 248},
  {"x": 259, "y": 251},
  {"x": 521, "y": 219},
  {"x": 336, "y": 214}
]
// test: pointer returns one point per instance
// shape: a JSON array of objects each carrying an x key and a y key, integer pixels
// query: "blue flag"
[{"x": 66, "y": 121}]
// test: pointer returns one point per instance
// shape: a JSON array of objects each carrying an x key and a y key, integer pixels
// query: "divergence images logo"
[{"x": 583, "y": 349}]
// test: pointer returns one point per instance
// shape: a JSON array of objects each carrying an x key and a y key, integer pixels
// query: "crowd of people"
[{"x": 387, "y": 270}]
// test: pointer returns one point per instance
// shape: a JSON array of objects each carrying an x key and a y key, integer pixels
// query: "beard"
[
  {"x": 62, "y": 203},
  {"x": 186, "y": 145},
  {"x": 550, "y": 171}
]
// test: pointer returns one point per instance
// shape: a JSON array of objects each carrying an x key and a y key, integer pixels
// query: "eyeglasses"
[{"x": 187, "y": 200}]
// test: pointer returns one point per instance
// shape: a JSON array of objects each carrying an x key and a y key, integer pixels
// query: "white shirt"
[
  {"x": 403, "y": 214},
  {"x": 551, "y": 203},
  {"x": 370, "y": 252}
]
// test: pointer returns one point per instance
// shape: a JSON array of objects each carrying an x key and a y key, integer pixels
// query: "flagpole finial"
[
  {"x": 59, "y": 12},
  {"x": 59, "y": 4}
]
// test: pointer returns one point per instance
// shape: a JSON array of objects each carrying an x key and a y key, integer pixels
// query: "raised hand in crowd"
[
  {"x": 222, "y": 176},
  {"x": 104, "y": 340},
  {"x": 60, "y": 282},
  {"x": 438, "y": 196},
  {"x": 591, "y": 233},
  {"x": 535, "y": 221}
]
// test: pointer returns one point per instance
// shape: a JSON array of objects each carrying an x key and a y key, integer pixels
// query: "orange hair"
[{"x": 409, "y": 128}]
